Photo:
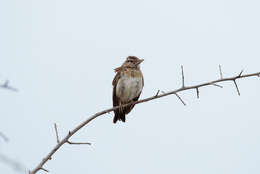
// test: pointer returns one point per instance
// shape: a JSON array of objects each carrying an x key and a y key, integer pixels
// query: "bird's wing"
[
  {"x": 116, "y": 78},
  {"x": 118, "y": 115},
  {"x": 114, "y": 83}
]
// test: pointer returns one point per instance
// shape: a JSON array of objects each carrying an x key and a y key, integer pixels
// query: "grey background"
[{"x": 61, "y": 55}]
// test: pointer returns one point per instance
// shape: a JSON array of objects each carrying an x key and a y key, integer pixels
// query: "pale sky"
[{"x": 60, "y": 54}]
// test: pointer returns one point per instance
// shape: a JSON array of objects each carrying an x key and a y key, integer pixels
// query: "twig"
[
  {"x": 240, "y": 73},
  {"x": 182, "y": 74},
  {"x": 157, "y": 93},
  {"x": 79, "y": 143},
  {"x": 84, "y": 123},
  {"x": 217, "y": 85},
  {"x": 220, "y": 72},
  {"x": 236, "y": 87},
  {"x": 180, "y": 99},
  {"x": 56, "y": 132},
  {"x": 198, "y": 93},
  {"x": 44, "y": 169}
]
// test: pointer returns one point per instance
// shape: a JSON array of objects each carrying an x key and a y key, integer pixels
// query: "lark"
[{"x": 127, "y": 86}]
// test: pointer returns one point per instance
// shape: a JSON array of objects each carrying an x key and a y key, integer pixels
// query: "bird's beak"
[{"x": 140, "y": 61}]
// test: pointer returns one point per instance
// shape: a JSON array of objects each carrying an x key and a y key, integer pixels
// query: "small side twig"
[
  {"x": 44, "y": 169},
  {"x": 180, "y": 99},
  {"x": 198, "y": 93},
  {"x": 182, "y": 73},
  {"x": 78, "y": 143},
  {"x": 157, "y": 93},
  {"x": 238, "y": 92},
  {"x": 56, "y": 132},
  {"x": 220, "y": 72},
  {"x": 239, "y": 75},
  {"x": 217, "y": 85}
]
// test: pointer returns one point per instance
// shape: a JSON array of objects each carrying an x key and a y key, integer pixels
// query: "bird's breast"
[{"x": 129, "y": 87}]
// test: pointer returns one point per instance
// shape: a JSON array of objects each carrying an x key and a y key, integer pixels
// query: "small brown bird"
[{"x": 128, "y": 84}]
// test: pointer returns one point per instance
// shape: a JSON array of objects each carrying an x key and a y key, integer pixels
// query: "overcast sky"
[{"x": 60, "y": 54}]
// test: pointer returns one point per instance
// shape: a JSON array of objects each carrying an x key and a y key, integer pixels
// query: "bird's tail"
[{"x": 119, "y": 116}]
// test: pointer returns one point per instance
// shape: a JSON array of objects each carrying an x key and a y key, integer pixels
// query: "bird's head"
[{"x": 132, "y": 62}]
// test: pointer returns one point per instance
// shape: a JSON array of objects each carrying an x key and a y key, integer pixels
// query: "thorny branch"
[
  {"x": 7, "y": 86},
  {"x": 4, "y": 137},
  {"x": 175, "y": 92},
  {"x": 15, "y": 165}
]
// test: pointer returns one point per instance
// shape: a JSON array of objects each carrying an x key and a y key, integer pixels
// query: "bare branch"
[
  {"x": 84, "y": 123},
  {"x": 78, "y": 143},
  {"x": 56, "y": 132},
  {"x": 182, "y": 74},
  {"x": 180, "y": 99}
]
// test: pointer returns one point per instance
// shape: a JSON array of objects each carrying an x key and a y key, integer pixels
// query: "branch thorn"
[
  {"x": 214, "y": 84},
  {"x": 180, "y": 99},
  {"x": 44, "y": 169},
  {"x": 239, "y": 75},
  {"x": 220, "y": 72},
  {"x": 182, "y": 73},
  {"x": 197, "y": 90},
  {"x": 78, "y": 143},
  {"x": 56, "y": 132},
  {"x": 236, "y": 87},
  {"x": 157, "y": 93}
]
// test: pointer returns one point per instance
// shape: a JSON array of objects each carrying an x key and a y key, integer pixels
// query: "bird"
[{"x": 127, "y": 86}]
